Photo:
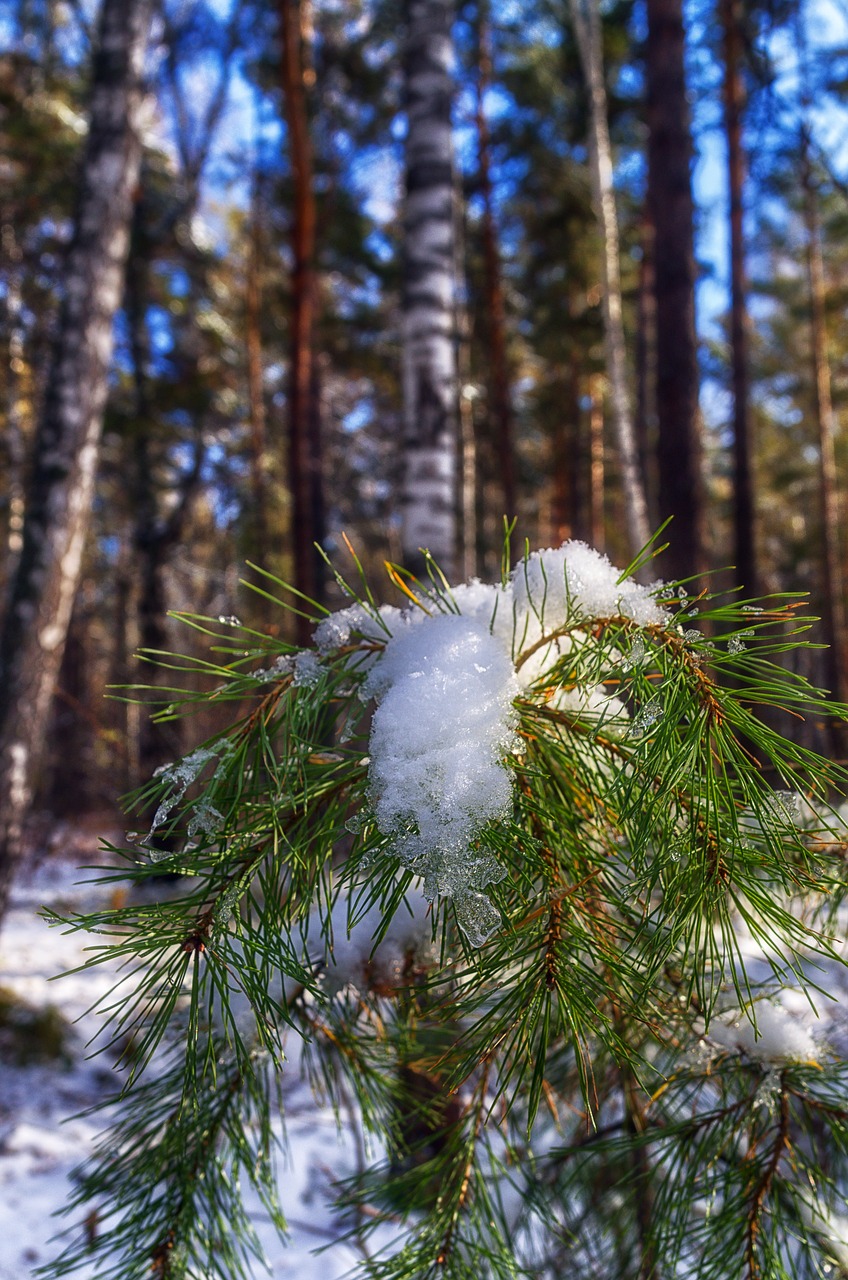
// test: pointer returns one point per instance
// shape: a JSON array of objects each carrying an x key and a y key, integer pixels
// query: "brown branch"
[{"x": 766, "y": 1181}]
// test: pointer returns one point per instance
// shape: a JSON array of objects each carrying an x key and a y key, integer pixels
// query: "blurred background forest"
[{"x": 393, "y": 270}]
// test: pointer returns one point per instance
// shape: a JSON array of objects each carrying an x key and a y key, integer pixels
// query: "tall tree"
[
  {"x": 833, "y": 576},
  {"x": 304, "y": 452},
  {"x": 731, "y": 13},
  {"x": 69, "y": 431},
  {"x": 670, "y": 208},
  {"x": 429, "y": 347},
  {"x": 586, "y": 20},
  {"x": 500, "y": 391}
]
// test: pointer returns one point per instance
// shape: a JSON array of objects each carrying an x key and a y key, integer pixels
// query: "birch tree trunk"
[
  {"x": 429, "y": 345},
  {"x": 586, "y": 20},
  {"x": 672, "y": 216},
  {"x": 68, "y": 437}
]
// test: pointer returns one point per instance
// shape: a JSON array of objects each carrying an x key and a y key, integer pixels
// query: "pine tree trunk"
[
  {"x": 500, "y": 395},
  {"x": 68, "y": 438},
  {"x": 671, "y": 212},
  {"x": 255, "y": 392},
  {"x": 731, "y": 13},
  {"x": 646, "y": 370},
  {"x": 429, "y": 343},
  {"x": 597, "y": 528},
  {"x": 587, "y": 26},
  {"x": 11, "y": 369},
  {"x": 833, "y": 576},
  {"x": 304, "y": 456}
]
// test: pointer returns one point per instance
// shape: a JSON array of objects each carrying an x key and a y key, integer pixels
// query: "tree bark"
[
  {"x": 597, "y": 535},
  {"x": 255, "y": 380},
  {"x": 429, "y": 344},
  {"x": 833, "y": 577},
  {"x": 304, "y": 457},
  {"x": 586, "y": 20},
  {"x": 730, "y": 15},
  {"x": 500, "y": 392},
  {"x": 68, "y": 436},
  {"x": 645, "y": 425},
  {"x": 672, "y": 216},
  {"x": 13, "y": 395}
]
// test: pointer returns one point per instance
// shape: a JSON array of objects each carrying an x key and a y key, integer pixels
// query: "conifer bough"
[{"x": 535, "y": 883}]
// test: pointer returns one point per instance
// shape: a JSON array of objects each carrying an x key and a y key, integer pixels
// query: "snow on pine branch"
[{"x": 445, "y": 686}]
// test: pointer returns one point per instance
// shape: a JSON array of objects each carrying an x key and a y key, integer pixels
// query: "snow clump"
[
  {"x": 307, "y": 669},
  {"x": 779, "y": 1036},
  {"x": 565, "y": 586},
  {"x": 576, "y": 580},
  {"x": 444, "y": 723}
]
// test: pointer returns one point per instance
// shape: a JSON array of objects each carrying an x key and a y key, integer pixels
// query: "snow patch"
[{"x": 778, "y": 1037}]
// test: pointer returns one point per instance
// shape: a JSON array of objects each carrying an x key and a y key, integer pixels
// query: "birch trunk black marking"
[{"x": 429, "y": 345}]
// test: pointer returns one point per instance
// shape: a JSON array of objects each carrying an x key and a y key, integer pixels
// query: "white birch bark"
[
  {"x": 429, "y": 344},
  {"x": 586, "y": 20},
  {"x": 68, "y": 435}
]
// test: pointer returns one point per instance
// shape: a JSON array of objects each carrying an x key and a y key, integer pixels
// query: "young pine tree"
[{"x": 536, "y": 885}]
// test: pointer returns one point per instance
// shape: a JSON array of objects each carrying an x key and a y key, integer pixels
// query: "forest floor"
[{"x": 47, "y": 1080}]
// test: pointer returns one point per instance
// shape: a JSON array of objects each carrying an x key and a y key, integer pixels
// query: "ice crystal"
[
  {"x": 636, "y": 656},
  {"x": 179, "y": 776},
  {"x": 478, "y": 918},
  {"x": 646, "y": 716},
  {"x": 736, "y": 644},
  {"x": 205, "y": 820},
  {"x": 307, "y": 669},
  {"x": 281, "y": 666},
  {"x": 785, "y": 806}
]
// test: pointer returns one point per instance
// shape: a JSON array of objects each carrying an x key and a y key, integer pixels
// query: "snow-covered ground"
[
  {"x": 42, "y": 1137},
  {"x": 41, "y": 1141}
]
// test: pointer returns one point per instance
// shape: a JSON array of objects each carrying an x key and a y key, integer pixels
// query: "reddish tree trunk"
[
  {"x": 304, "y": 457},
  {"x": 671, "y": 214},
  {"x": 833, "y": 577},
  {"x": 494, "y": 306},
  {"x": 255, "y": 392},
  {"x": 730, "y": 13}
]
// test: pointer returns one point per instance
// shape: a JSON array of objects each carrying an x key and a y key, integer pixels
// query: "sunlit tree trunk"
[
  {"x": 255, "y": 388},
  {"x": 11, "y": 381},
  {"x": 68, "y": 436},
  {"x": 646, "y": 369},
  {"x": 672, "y": 216},
  {"x": 303, "y": 455},
  {"x": 833, "y": 572},
  {"x": 429, "y": 344},
  {"x": 597, "y": 534},
  {"x": 586, "y": 20},
  {"x": 730, "y": 14},
  {"x": 500, "y": 392}
]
